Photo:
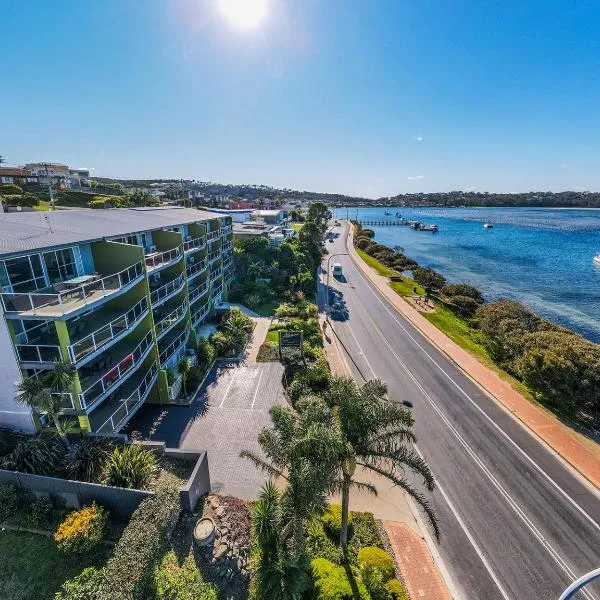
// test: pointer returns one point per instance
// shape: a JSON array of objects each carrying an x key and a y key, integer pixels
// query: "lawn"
[
  {"x": 267, "y": 309},
  {"x": 44, "y": 205},
  {"x": 31, "y": 566}
]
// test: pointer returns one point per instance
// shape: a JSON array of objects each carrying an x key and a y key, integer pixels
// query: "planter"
[{"x": 205, "y": 532}]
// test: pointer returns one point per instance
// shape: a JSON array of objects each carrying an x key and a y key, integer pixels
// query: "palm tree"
[
  {"x": 184, "y": 367},
  {"x": 373, "y": 431},
  {"x": 45, "y": 395},
  {"x": 301, "y": 449}
]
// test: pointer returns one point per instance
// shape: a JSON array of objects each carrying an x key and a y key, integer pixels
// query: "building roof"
[
  {"x": 269, "y": 213},
  {"x": 27, "y": 231},
  {"x": 14, "y": 172}
]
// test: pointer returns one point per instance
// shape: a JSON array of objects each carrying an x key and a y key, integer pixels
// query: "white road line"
[
  {"x": 503, "y": 492},
  {"x": 257, "y": 388},
  {"x": 228, "y": 388}
]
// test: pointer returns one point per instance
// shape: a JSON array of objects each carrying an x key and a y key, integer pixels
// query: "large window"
[
  {"x": 25, "y": 273},
  {"x": 60, "y": 264}
]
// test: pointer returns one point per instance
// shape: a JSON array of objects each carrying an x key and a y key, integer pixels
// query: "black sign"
[{"x": 290, "y": 339}]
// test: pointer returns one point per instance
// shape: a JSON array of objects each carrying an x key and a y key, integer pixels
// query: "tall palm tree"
[
  {"x": 301, "y": 449},
  {"x": 184, "y": 366},
  {"x": 373, "y": 432},
  {"x": 44, "y": 394}
]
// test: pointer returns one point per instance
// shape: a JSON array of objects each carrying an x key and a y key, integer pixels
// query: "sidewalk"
[
  {"x": 261, "y": 326},
  {"x": 581, "y": 453}
]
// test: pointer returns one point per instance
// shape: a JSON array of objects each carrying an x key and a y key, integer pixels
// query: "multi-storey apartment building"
[{"x": 119, "y": 293}]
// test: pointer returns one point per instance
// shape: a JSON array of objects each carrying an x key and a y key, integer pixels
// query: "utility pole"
[{"x": 49, "y": 185}]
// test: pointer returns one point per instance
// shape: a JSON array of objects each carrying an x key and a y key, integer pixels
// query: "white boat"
[
  {"x": 387, "y": 213},
  {"x": 488, "y": 225},
  {"x": 597, "y": 259}
]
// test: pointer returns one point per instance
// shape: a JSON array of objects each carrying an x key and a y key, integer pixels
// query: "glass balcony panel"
[{"x": 37, "y": 353}]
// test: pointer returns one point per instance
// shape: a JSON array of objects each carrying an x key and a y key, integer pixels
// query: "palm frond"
[{"x": 262, "y": 464}]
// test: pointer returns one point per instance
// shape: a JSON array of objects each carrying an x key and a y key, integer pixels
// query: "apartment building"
[{"x": 119, "y": 293}]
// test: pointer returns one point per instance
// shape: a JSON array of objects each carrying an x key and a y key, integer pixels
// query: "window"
[
  {"x": 25, "y": 273},
  {"x": 60, "y": 264},
  {"x": 132, "y": 240}
]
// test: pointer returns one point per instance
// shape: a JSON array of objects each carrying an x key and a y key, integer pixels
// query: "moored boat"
[
  {"x": 488, "y": 225},
  {"x": 597, "y": 259}
]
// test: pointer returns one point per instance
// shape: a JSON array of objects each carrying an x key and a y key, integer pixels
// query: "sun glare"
[{"x": 244, "y": 14}]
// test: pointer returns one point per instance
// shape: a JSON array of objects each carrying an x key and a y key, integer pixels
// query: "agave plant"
[
  {"x": 39, "y": 455},
  {"x": 129, "y": 467}
]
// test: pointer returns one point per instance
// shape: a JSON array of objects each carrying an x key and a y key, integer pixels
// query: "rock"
[
  {"x": 219, "y": 551},
  {"x": 224, "y": 530},
  {"x": 220, "y": 511}
]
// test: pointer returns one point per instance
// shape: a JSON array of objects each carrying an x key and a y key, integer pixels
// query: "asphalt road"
[{"x": 516, "y": 522}]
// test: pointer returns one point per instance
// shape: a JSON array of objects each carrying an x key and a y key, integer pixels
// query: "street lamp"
[{"x": 579, "y": 584}]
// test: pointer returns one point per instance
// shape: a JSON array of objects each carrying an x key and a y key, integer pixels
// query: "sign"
[{"x": 290, "y": 339}]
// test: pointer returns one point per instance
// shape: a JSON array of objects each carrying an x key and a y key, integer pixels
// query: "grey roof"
[{"x": 26, "y": 231}]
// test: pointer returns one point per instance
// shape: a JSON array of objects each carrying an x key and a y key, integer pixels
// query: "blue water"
[{"x": 541, "y": 257}]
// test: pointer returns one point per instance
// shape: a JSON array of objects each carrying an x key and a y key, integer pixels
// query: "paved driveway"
[{"x": 225, "y": 418}]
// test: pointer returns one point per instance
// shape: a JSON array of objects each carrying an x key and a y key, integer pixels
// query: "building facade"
[
  {"x": 118, "y": 293},
  {"x": 46, "y": 173}
]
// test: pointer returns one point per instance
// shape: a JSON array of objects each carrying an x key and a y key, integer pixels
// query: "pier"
[{"x": 398, "y": 222}]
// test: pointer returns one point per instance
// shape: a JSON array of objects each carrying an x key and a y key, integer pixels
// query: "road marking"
[
  {"x": 228, "y": 388},
  {"x": 257, "y": 387},
  {"x": 505, "y": 494}
]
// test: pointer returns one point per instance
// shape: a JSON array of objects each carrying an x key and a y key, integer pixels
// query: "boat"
[
  {"x": 597, "y": 259},
  {"x": 387, "y": 213},
  {"x": 488, "y": 225}
]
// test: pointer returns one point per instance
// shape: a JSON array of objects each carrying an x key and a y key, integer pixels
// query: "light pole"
[{"x": 579, "y": 584}]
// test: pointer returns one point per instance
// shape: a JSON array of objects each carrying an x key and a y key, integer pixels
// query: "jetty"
[{"x": 399, "y": 222}]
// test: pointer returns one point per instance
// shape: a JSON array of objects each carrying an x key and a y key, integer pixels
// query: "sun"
[{"x": 245, "y": 14}]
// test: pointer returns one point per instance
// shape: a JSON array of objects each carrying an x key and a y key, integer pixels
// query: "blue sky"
[{"x": 364, "y": 97}]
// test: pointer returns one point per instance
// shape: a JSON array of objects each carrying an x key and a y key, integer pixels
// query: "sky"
[{"x": 363, "y": 97}]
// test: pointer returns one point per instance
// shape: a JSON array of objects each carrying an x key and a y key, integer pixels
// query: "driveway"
[{"x": 226, "y": 417}]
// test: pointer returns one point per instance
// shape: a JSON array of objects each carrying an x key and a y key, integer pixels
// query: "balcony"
[
  {"x": 172, "y": 345},
  {"x": 195, "y": 268},
  {"x": 227, "y": 246},
  {"x": 162, "y": 292},
  {"x": 229, "y": 279},
  {"x": 159, "y": 260},
  {"x": 38, "y": 355},
  {"x": 166, "y": 323},
  {"x": 213, "y": 257},
  {"x": 227, "y": 262},
  {"x": 115, "y": 412},
  {"x": 200, "y": 315},
  {"x": 226, "y": 230},
  {"x": 198, "y": 292},
  {"x": 214, "y": 275},
  {"x": 194, "y": 244},
  {"x": 212, "y": 236},
  {"x": 58, "y": 301},
  {"x": 95, "y": 390}
]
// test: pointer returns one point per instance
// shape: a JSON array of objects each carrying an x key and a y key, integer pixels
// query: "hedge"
[{"x": 129, "y": 573}]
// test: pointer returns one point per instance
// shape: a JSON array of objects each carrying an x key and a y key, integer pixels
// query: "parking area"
[{"x": 225, "y": 418}]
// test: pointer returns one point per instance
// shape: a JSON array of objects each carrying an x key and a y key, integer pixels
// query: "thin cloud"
[
  {"x": 419, "y": 138},
  {"x": 416, "y": 177},
  {"x": 563, "y": 166}
]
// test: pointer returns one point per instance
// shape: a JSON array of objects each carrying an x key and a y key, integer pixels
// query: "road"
[{"x": 516, "y": 522}]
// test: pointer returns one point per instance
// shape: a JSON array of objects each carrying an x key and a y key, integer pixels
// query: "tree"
[
  {"x": 373, "y": 431},
  {"x": 184, "y": 366},
  {"x": 44, "y": 395},
  {"x": 310, "y": 240},
  {"x": 431, "y": 280},
  {"x": 319, "y": 214}
]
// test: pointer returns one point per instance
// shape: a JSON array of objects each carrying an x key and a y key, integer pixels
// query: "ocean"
[{"x": 542, "y": 258}]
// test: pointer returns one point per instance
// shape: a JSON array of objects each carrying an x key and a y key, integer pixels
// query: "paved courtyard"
[{"x": 225, "y": 418}]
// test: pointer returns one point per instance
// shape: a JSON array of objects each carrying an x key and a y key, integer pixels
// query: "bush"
[
  {"x": 332, "y": 521},
  {"x": 372, "y": 557},
  {"x": 194, "y": 378},
  {"x": 82, "y": 530},
  {"x": 465, "y": 306},
  {"x": 333, "y": 582},
  {"x": 185, "y": 582},
  {"x": 130, "y": 467},
  {"x": 395, "y": 590},
  {"x": 20, "y": 200},
  {"x": 83, "y": 586},
  {"x": 10, "y": 500},
  {"x": 87, "y": 459},
  {"x": 205, "y": 352},
  {"x": 39, "y": 455},
  {"x": 9, "y": 440},
  {"x": 312, "y": 380},
  {"x": 129, "y": 573},
  {"x": 462, "y": 289},
  {"x": 39, "y": 513},
  {"x": 10, "y": 188}
]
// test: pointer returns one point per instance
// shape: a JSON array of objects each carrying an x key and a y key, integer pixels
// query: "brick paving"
[
  {"x": 582, "y": 453},
  {"x": 421, "y": 577},
  {"x": 225, "y": 417}
]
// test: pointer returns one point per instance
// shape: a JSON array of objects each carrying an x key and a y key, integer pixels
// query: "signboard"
[{"x": 290, "y": 339}]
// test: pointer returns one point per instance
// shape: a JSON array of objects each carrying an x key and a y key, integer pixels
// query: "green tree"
[
  {"x": 373, "y": 434},
  {"x": 431, "y": 280},
  {"x": 319, "y": 214},
  {"x": 184, "y": 367}
]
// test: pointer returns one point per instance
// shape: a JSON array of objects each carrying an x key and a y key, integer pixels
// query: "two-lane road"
[{"x": 516, "y": 522}]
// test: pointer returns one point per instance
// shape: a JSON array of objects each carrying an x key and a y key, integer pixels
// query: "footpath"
[
  {"x": 578, "y": 451},
  {"x": 417, "y": 567}
]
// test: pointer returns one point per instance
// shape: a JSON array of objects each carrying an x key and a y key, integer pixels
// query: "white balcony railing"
[
  {"x": 97, "y": 339},
  {"x": 227, "y": 246},
  {"x": 211, "y": 236},
  {"x": 198, "y": 292},
  {"x": 174, "y": 346},
  {"x": 195, "y": 244},
  {"x": 109, "y": 380},
  {"x": 64, "y": 301},
  {"x": 113, "y": 423},
  {"x": 213, "y": 257},
  {"x": 38, "y": 353},
  {"x": 159, "y": 259},
  {"x": 165, "y": 291},
  {"x": 200, "y": 315},
  {"x": 214, "y": 275},
  {"x": 196, "y": 268},
  {"x": 226, "y": 230},
  {"x": 173, "y": 317}
]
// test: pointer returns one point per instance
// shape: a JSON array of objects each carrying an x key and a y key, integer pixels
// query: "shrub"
[
  {"x": 86, "y": 460},
  {"x": 372, "y": 557},
  {"x": 194, "y": 378},
  {"x": 10, "y": 188},
  {"x": 205, "y": 352},
  {"x": 332, "y": 521},
  {"x": 333, "y": 582},
  {"x": 39, "y": 455},
  {"x": 83, "y": 586},
  {"x": 396, "y": 590},
  {"x": 185, "y": 582},
  {"x": 129, "y": 467},
  {"x": 82, "y": 530},
  {"x": 465, "y": 306},
  {"x": 129, "y": 573},
  {"x": 9, "y": 439},
  {"x": 39, "y": 513},
  {"x": 428, "y": 278},
  {"x": 10, "y": 500},
  {"x": 312, "y": 380},
  {"x": 462, "y": 289}
]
